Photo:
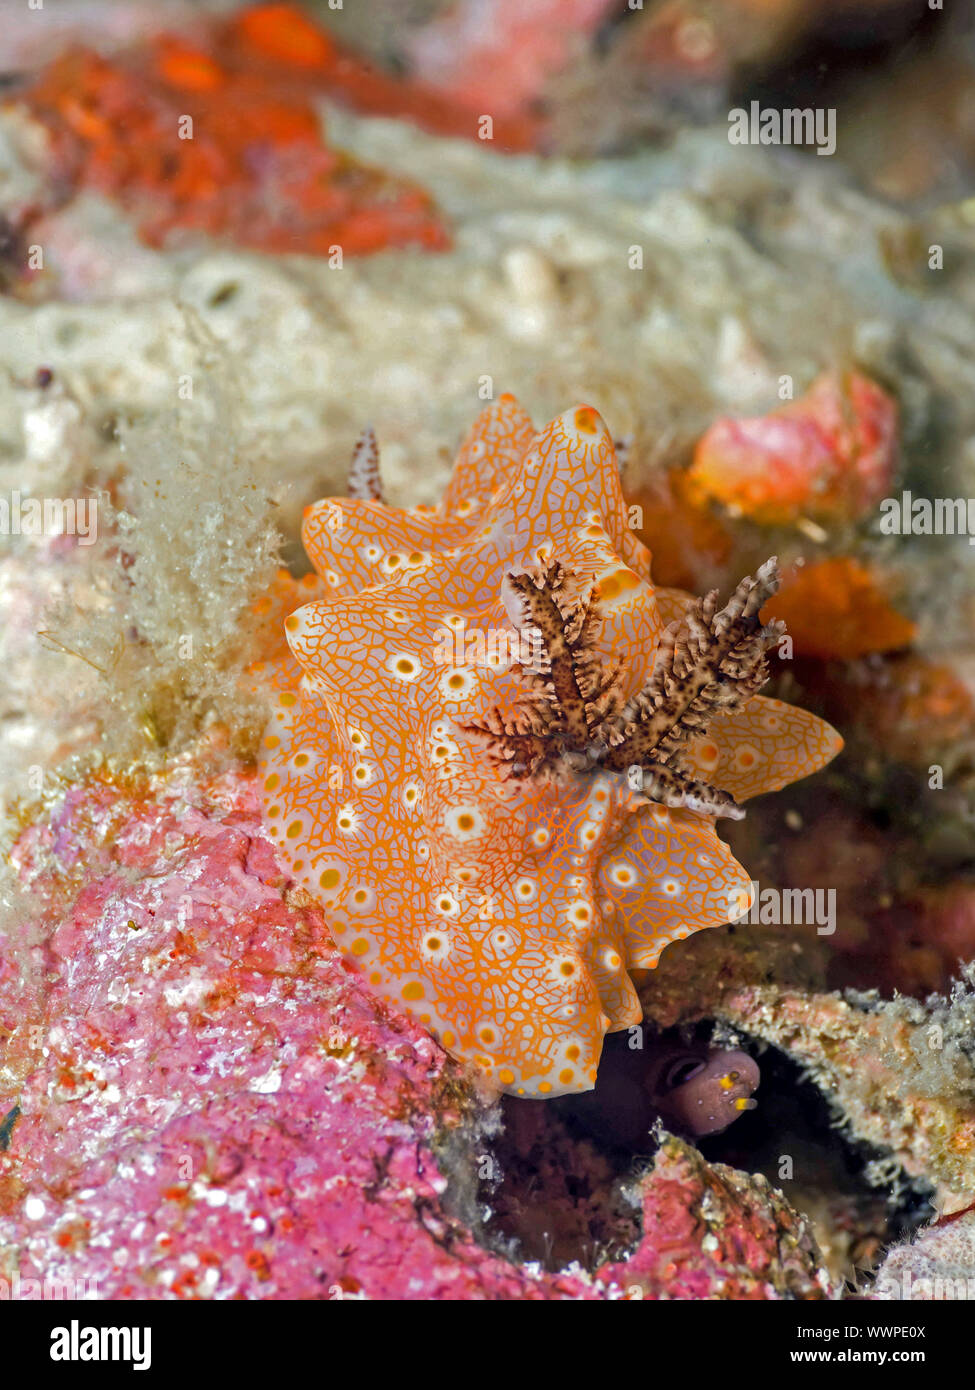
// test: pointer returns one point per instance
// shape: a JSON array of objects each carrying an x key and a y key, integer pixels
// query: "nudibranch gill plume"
[{"x": 497, "y": 752}]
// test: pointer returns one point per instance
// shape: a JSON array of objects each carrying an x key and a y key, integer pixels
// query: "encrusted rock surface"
[
  {"x": 201, "y": 1100},
  {"x": 939, "y": 1263}
]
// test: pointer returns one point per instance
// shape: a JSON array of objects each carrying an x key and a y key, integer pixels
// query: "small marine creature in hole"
[
  {"x": 497, "y": 751},
  {"x": 694, "y": 1089}
]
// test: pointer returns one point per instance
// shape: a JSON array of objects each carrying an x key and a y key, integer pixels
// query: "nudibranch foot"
[{"x": 460, "y": 716}]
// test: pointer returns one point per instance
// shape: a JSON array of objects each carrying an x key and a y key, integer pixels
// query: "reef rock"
[
  {"x": 938, "y": 1264},
  {"x": 199, "y": 1098}
]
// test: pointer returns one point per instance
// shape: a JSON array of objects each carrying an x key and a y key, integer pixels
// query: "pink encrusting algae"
[
  {"x": 449, "y": 769},
  {"x": 497, "y": 57},
  {"x": 831, "y": 454},
  {"x": 200, "y": 1099}
]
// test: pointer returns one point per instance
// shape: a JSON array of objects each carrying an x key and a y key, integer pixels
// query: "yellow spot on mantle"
[{"x": 616, "y": 583}]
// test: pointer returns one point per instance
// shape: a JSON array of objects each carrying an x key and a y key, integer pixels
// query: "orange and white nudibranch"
[{"x": 506, "y": 914}]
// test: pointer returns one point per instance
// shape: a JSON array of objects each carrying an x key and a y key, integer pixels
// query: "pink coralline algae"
[
  {"x": 831, "y": 454},
  {"x": 200, "y": 1099},
  {"x": 709, "y": 1234},
  {"x": 496, "y": 57}
]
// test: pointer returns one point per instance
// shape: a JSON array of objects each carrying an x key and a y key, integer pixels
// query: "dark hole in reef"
[
  {"x": 607, "y": 32},
  {"x": 559, "y": 1193},
  {"x": 832, "y": 56},
  {"x": 791, "y": 1137},
  {"x": 108, "y": 426},
  {"x": 223, "y": 294}
]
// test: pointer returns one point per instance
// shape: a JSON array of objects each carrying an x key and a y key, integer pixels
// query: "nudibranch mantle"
[{"x": 505, "y": 912}]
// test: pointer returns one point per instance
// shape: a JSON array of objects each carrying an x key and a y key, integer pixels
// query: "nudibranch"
[{"x": 497, "y": 752}]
